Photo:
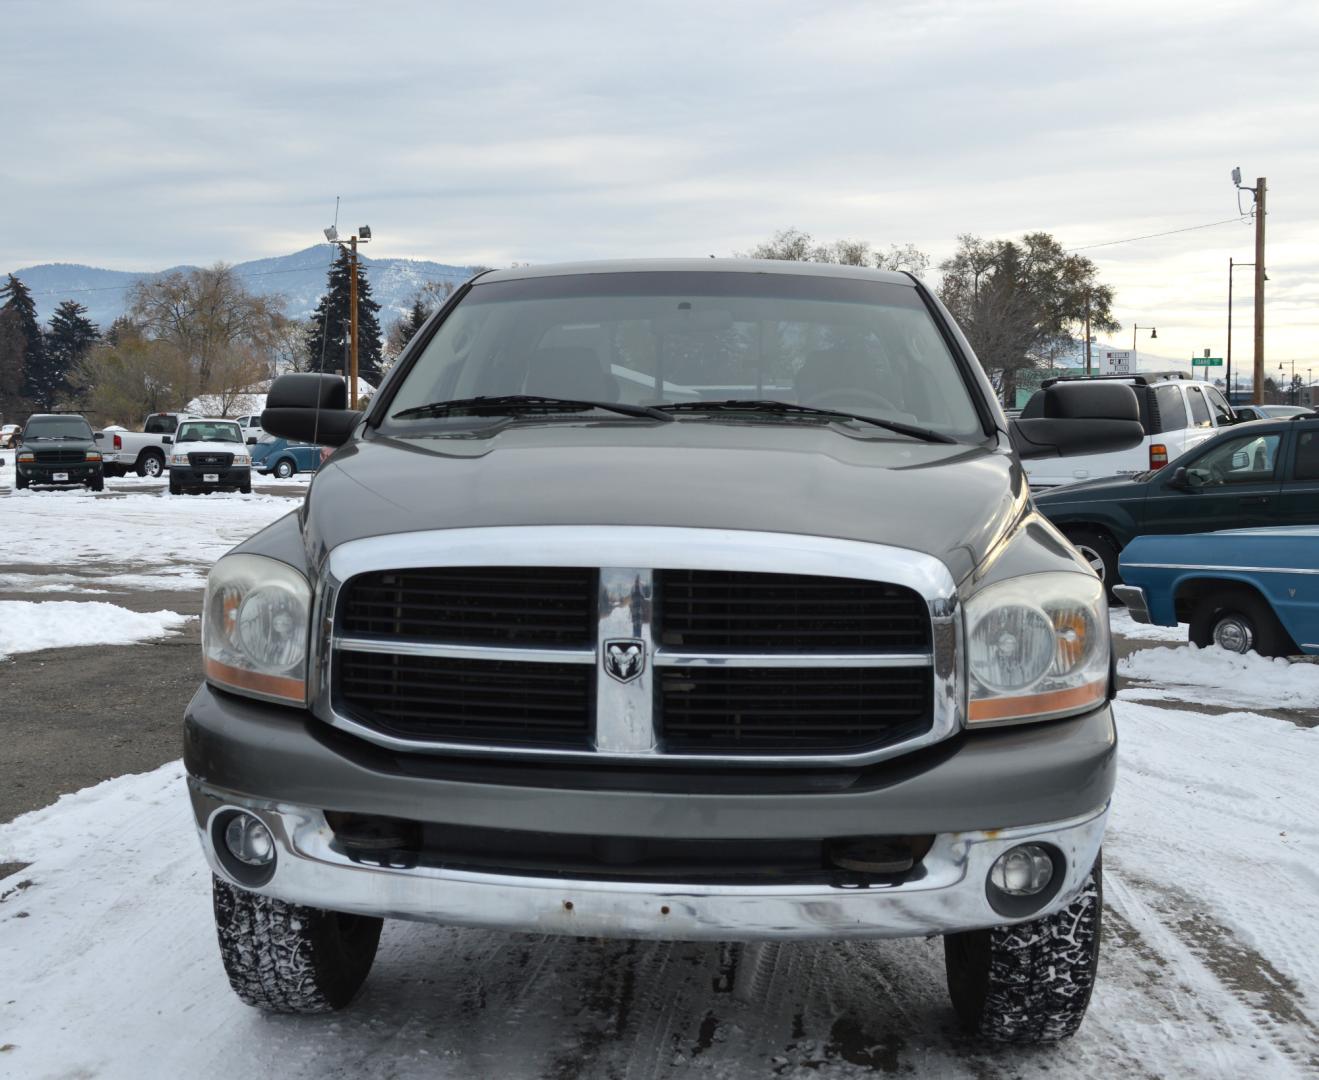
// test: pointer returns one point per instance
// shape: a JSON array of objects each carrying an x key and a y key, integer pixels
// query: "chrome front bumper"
[
  {"x": 948, "y": 895},
  {"x": 1134, "y": 600}
]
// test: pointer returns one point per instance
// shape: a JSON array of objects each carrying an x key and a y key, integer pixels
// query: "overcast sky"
[{"x": 143, "y": 135}]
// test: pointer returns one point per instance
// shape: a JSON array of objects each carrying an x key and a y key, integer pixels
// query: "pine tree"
[
  {"x": 68, "y": 340},
  {"x": 329, "y": 326},
  {"x": 22, "y": 313}
]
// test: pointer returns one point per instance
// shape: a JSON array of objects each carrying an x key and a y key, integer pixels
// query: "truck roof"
[{"x": 691, "y": 266}]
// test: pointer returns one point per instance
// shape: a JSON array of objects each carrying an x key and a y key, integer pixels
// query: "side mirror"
[
  {"x": 167, "y": 440},
  {"x": 97, "y": 436},
  {"x": 1181, "y": 479},
  {"x": 251, "y": 440},
  {"x": 1080, "y": 418},
  {"x": 310, "y": 408}
]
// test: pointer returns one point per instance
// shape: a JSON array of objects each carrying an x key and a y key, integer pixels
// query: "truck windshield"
[
  {"x": 209, "y": 432},
  {"x": 58, "y": 427},
  {"x": 680, "y": 338}
]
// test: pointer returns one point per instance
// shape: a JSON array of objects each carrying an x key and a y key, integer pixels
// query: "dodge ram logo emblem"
[{"x": 625, "y": 658}]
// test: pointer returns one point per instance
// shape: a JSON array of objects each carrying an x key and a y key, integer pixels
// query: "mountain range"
[{"x": 299, "y": 278}]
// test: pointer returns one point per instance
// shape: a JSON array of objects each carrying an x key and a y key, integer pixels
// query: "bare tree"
[{"x": 794, "y": 245}]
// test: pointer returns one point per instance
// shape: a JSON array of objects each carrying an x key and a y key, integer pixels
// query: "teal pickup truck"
[{"x": 1245, "y": 590}]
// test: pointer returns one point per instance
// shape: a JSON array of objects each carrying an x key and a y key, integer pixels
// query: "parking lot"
[{"x": 107, "y": 946}]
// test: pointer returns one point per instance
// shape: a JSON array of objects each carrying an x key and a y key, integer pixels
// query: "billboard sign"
[{"x": 1116, "y": 362}]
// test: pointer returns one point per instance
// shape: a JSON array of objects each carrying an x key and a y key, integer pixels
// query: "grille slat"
[
  {"x": 726, "y": 610},
  {"x": 542, "y": 605},
  {"x": 60, "y": 457},
  {"x": 793, "y": 711},
  {"x": 477, "y": 701}
]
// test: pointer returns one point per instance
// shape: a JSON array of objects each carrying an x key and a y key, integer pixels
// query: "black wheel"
[
  {"x": 1029, "y": 983},
  {"x": 1100, "y": 552},
  {"x": 20, "y": 482},
  {"x": 284, "y": 468},
  {"x": 246, "y": 489},
  {"x": 175, "y": 488},
  {"x": 151, "y": 464},
  {"x": 97, "y": 484},
  {"x": 1239, "y": 621},
  {"x": 288, "y": 958}
]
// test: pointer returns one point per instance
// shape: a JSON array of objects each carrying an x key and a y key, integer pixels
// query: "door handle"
[{"x": 1253, "y": 500}]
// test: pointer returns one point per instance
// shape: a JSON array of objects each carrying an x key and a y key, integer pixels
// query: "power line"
[{"x": 1170, "y": 232}]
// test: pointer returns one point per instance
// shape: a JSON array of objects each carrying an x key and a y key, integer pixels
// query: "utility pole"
[
  {"x": 350, "y": 249},
  {"x": 352, "y": 321},
  {"x": 1261, "y": 186},
  {"x": 1087, "y": 332}
]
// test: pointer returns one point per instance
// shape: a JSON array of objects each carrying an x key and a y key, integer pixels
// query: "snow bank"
[
  {"x": 1214, "y": 676},
  {"x": 29, "y": 625},
  {"x": 1121, "y": 623}
]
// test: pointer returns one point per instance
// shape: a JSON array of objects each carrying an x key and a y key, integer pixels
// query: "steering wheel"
[{"x": 845, "y": 398}]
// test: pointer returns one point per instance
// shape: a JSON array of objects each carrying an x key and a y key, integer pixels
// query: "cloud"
[{"x": 151, "y": 134}]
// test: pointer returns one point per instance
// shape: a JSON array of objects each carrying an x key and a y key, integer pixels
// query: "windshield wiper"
[
  {"x": 510, "y": 404},
  {"x": 751, "y": 405}
]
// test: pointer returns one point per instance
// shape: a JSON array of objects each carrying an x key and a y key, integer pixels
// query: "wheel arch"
[{"x": 1189, "y": 589}]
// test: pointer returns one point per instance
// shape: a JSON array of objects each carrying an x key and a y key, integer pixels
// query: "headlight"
[
  {"x": 255, "y": 623},
  {"x": 242, "y": 459},
  {"x": 179, "y": 459},
  {"x": 1037, "y": 646},
  {"x": 92, "y": 455},
  {"x": 26, "y": 456}
]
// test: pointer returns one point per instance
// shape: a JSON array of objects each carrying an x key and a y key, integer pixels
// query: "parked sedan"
[
  {"x": 1270, "y": 412},
  {"x": 1251, "y": 475},
  {"x": 1244, "y": 590},
  {"x": 209, "y": 455},
  {"x": 8, "y": 436},
  {"x": 283, "y": 457}
]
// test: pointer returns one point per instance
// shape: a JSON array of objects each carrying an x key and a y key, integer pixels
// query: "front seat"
[{"x": 569, "y": 372}]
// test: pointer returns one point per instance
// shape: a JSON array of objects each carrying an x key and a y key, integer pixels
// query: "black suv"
[{"x": 58, "y": 449}]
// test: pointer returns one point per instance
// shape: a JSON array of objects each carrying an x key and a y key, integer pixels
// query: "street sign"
[
  {"x": 1206, "y": 361},
  {"x": 1115, "y": 362}
]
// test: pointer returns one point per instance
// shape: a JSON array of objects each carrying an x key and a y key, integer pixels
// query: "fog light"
[
  {"x": 249, "y": 841},
  {"x": 1024, "y": 870}
]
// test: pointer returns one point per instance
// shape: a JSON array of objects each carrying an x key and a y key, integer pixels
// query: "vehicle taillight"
[
  {"x": 1158, "y": 455},
  {"x": 118, "y": 443}
]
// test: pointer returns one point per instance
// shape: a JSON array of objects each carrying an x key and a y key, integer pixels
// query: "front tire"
[
  {"x": 20, "y": 482},
  {"x": 284, "y": 469},
  {"x": 97, "y": 484},
  {"x": 287, "y": 958},
  {"x": 175, "y": 488},
  {"x": 1239, "y": 621},
  {"x": 1029, "y": 983},
  {"x": 1100, "y": 552}
]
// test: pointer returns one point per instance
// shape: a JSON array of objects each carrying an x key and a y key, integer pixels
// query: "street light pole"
[
  {"x": 1154, "y": 333},
  {"x": 1260, "y": 188}
]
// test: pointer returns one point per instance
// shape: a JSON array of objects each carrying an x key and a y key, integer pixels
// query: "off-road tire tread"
[
  {"x": 1029, "y": 983},
  {"x": 287, "y": 958}
]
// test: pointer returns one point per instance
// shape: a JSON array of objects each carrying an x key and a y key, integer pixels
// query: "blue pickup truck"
[{"x": 1242, "y": 589}]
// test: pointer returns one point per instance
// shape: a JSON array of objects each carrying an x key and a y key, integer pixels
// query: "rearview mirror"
[
  {"x": 310, "y": 408},
  {"x": 1080, "y": 418}
]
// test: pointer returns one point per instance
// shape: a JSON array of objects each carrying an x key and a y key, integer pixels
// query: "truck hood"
[
  {"x": 1102, "y": 487},
  {"x": 951, "y": 501}
]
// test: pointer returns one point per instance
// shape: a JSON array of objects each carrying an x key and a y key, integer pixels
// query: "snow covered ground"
[
  {"x": 27, "y": 626},
  {"x": 109, "y": 968}
]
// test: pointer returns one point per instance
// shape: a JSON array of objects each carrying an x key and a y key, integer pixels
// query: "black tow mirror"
[
  {"x": 1079, "y": 418},
  {"x": 310, "y": 408},
  {"x": 167, "y": 440}
]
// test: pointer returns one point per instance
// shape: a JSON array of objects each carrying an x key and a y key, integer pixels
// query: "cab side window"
[
  {"x": 1222, "y": 410},
  {"x": 1247, "y": 459},
  {"x": 1307, "y": 456},
  {"x": 1199, "y": 410},
  {"x": 1172, "y": 410}
]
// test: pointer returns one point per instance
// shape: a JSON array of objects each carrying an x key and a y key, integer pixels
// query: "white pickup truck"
[
  {"x": 1177, "y": 414},
  {"x": 143, "y": 452}
]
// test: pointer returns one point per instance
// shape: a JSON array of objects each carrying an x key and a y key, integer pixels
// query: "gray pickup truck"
[{"x": 680, "y": 600}]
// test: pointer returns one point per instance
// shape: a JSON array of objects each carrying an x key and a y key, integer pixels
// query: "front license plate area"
[
  {"x": 211, "y": 478},
  {"x": 60, "y": 477}
]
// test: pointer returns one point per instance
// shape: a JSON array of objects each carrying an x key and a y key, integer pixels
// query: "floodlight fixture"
[
  {"x": 332, "y": 234},
  {"x": 1236, "y": 176},
  {"x": 364, "y": 232}
]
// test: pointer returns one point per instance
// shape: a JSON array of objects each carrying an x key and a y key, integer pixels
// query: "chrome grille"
[{"x": 692, "y": 662}]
